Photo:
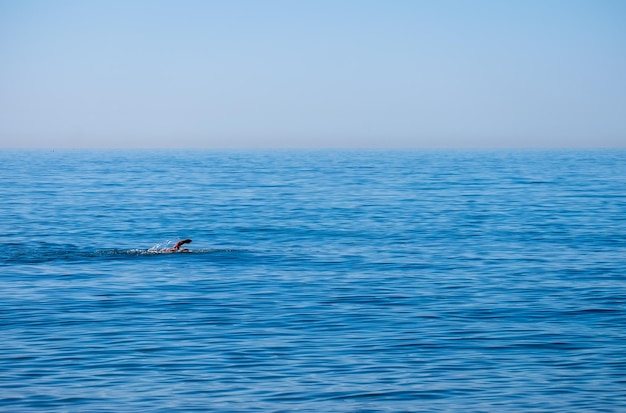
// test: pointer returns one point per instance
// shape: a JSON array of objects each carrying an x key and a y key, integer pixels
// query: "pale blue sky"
[{"x": 338, "y": 73}]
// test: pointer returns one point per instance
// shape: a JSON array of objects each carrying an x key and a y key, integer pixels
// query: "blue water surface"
[{"x": 318, "y": 281}]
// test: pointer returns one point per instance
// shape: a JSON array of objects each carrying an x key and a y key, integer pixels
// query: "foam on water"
[{"x": 16, "y": 254}]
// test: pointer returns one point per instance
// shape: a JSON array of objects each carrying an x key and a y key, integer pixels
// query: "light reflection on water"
[{"x": 317, "y": 281}]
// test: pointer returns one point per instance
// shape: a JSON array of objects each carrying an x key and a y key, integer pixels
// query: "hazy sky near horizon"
[{"x": 336, "y": 73}]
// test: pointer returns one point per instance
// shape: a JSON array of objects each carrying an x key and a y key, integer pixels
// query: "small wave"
[
  {"x": 151, "y": 251},
  {"x": 34, "y": 256}
]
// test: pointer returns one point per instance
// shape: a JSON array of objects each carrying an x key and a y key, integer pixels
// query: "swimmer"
[{"x": 177, "y": 247}]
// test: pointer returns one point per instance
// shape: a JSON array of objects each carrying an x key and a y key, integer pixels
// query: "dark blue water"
[{"x": 474, "y": 281}]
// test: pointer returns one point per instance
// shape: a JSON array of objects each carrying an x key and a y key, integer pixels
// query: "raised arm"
[{"x": 181, "y": 242}]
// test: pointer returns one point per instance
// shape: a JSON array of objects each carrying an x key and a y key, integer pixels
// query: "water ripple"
[{"x": 319, "y": 281}]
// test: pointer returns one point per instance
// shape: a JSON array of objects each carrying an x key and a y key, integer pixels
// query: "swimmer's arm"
[{"x": 181, "y": 242}]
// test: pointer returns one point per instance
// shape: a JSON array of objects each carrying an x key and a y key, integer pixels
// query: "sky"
[{"x": 312, "y": 74}]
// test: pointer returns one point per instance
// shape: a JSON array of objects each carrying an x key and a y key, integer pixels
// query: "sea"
[{"x": 317, "y": 281}]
